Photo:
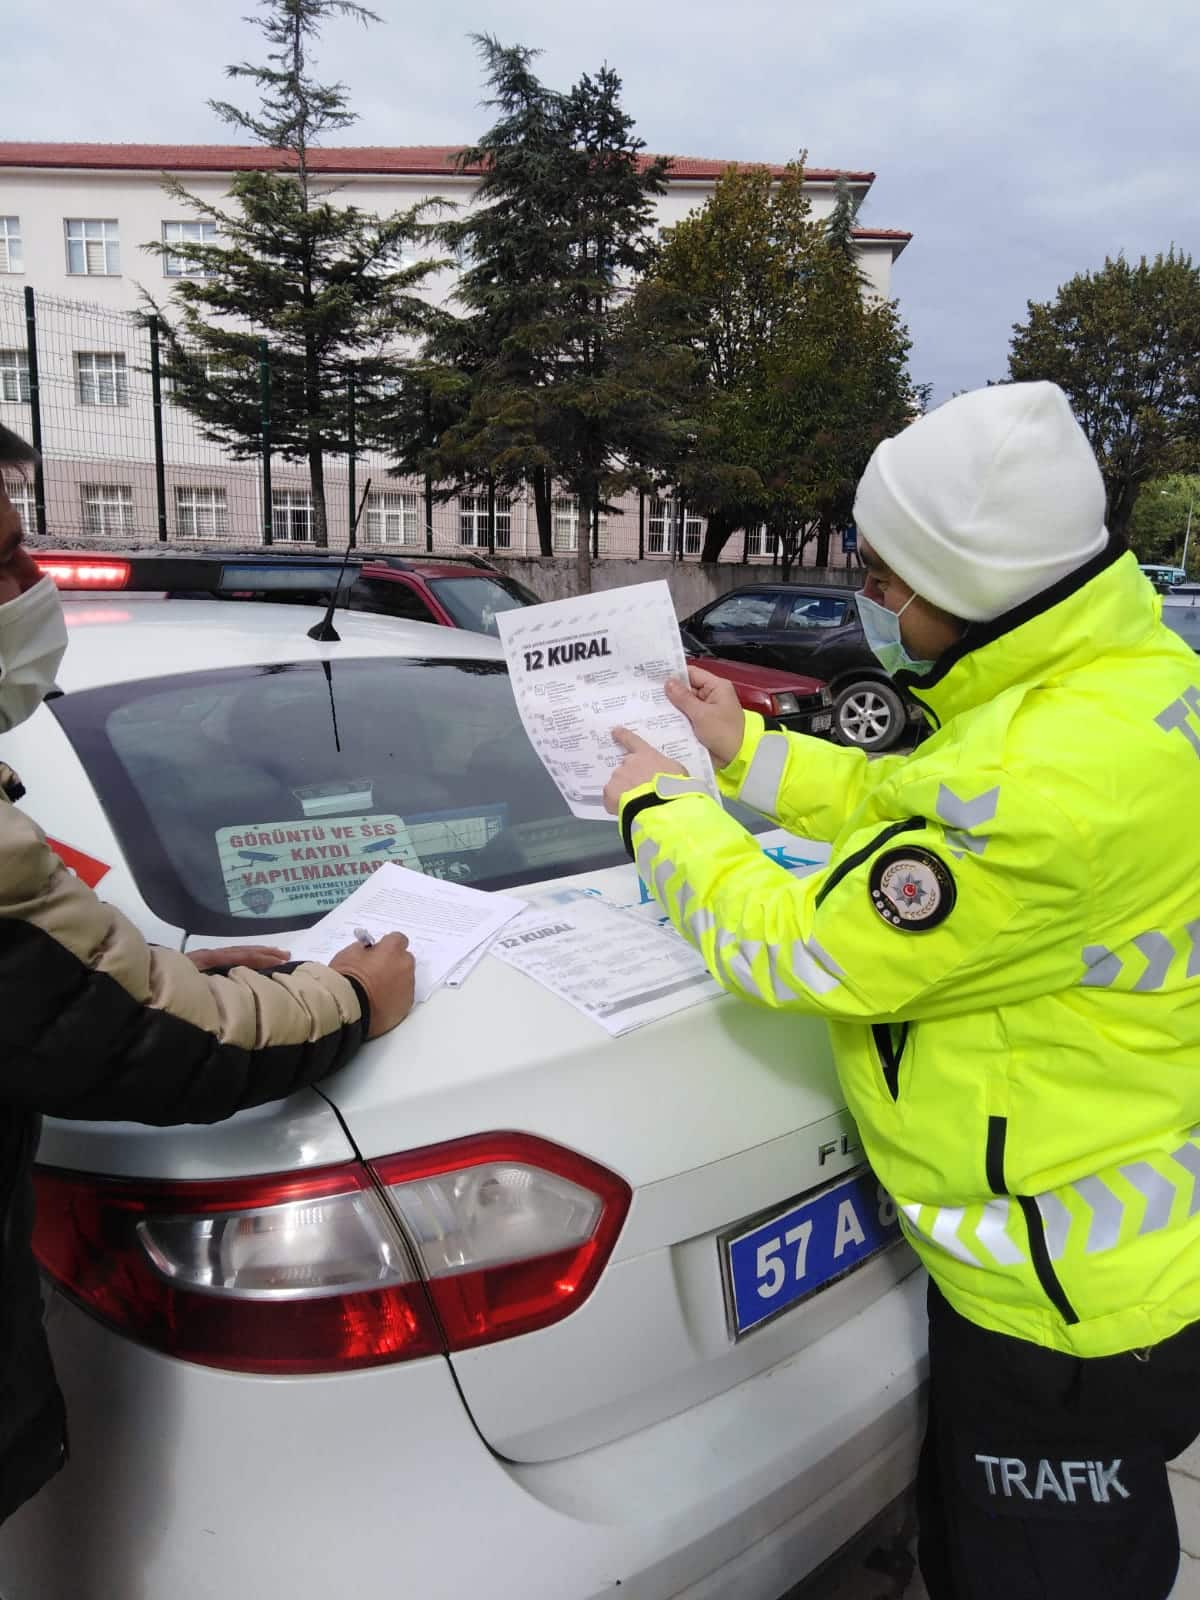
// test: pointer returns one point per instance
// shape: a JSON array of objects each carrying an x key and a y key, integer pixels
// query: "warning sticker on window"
[{"x": 283, "y": 869}]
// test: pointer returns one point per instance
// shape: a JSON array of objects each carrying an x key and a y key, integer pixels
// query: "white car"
[
  {"x": 508, "y": 1307},
  {"x": 1181, "y": 612}
]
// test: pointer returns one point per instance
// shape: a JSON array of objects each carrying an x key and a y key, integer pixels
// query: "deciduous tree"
[{"x": 1124, "y": 343}]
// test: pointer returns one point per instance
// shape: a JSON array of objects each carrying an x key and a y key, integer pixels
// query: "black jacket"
[{"x": 96, "y": 1024}]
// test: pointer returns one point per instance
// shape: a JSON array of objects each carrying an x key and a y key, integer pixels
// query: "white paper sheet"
[
  {"x": 581, "y": 667},
  {"x": 617, "y": 969},
  {"x": 445, "y": 922},
  {"x": 459, "y": 974}
]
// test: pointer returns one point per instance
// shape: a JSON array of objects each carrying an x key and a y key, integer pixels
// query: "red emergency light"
[{"x": 85, "y": 574}]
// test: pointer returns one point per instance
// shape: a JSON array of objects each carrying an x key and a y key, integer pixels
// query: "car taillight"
[
  {"x": 301, "y": 1273},
  {"x": 285, "y": 1274},
  {"x": 84, "y": 574},
  {"x": 511, "y": 1232}
]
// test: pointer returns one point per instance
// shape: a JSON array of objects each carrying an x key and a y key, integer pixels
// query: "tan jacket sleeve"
[{"x": 99, "y": 1024}]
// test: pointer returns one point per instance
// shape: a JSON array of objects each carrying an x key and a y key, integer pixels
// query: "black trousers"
[{"x": 1044, "y": 1476}]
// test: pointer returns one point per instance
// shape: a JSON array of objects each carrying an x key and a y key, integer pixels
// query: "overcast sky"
[{"x": 1021, "y": 142}]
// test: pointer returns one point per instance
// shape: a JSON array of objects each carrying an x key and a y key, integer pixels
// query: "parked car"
[
  {"x": 462, "y": 592},
  {"x": 464, "y": 597},
  {"x": 1164, "y": 578},
  {"x": 508, "y": 1307},
  {"x": 796, "y": 702},
  {"x": 797, "y": 629},
  {"x": 1181, "y": 611}
]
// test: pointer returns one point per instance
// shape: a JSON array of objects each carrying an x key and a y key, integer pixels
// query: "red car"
[
  {"x": 800, "y": 704},
  {"x": 468, "y": 592}
]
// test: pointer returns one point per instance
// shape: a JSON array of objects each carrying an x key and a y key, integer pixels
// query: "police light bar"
[
  {"x": 240, "y": 576},
  {"x": 84, "y": 573},
  {"x": 188, "y": 574}
]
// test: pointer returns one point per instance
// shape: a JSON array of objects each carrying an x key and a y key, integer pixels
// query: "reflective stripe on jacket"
[{"x": 1006, "y": 945}]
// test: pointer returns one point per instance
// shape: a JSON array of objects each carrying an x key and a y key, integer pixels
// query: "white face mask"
[{"x": 33, "y": 641}]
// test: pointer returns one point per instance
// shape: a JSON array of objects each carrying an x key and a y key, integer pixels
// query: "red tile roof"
[{"x": 436, "y": 160}]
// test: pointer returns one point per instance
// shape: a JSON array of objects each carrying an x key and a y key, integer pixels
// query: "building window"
[
  {"x": 291, "y": 515},
  {"x": 14, "y": 376},
  {"x": 566, "y": 522},
  {"x": 393, "y": 518},
  {"x": 20, "y": 492},
  {"x": 200, "y": 513},
  {"x": 191, "y": 364},
  {"x": 93, "y": 247},
  {"x": 178, "y": 266},
  {"x": 473, "y": 521},
  {"x": 661, "y": 527},
  {"x": 760, "y": 543},
  {"x": 12, "y": 257},
  {"x": 102, "y": 378},
  {"x": 107, "y": 508}
]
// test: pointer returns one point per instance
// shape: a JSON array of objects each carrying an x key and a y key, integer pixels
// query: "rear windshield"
[
  {"x": 261, "y": 797},
  {"x": 1185, "y": 620},
  {"x": 475, "y": 602}
]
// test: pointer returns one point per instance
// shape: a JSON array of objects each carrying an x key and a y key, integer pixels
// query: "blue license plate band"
[{"x": 776, "y": 1263}]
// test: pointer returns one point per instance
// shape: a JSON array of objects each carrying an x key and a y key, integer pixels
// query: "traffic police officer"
[{"x": 1006, "y": 945}]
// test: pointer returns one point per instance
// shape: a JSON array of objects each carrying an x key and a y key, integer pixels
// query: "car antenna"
[{"x": 324, "y": 631}]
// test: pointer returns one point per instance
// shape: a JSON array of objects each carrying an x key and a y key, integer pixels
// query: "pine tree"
[
  {"x": 321, "y": 282},
  {"x": 562, "y": 223}
]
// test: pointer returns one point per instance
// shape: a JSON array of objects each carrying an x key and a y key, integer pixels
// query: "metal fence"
[{"x": 124, "y": 463}]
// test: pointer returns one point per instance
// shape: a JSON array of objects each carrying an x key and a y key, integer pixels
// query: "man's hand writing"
[{"x": 387, "y": 973}]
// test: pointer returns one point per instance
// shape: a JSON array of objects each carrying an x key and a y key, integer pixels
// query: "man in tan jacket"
[{"x": 97, "y": 1024}]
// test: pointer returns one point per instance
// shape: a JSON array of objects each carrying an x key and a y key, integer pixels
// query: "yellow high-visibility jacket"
[{"x": 1006, "y": 945}]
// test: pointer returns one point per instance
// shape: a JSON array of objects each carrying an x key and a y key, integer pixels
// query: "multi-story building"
[{"x": 74, "y": 223}]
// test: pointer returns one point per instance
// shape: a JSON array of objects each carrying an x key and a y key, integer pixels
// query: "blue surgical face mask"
[{"x": 882, "y": 630}]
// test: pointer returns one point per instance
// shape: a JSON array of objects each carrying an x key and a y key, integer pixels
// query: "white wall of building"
[
  {"x": 45, "y": 198},
  {"x": 93, "y": 445}
]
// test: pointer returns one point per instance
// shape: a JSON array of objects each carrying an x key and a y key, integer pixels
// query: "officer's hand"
[
  {"x": 711, "y": 706},
  {"x": 642, "y": 765},
  {"x": 258, "y": 957},
  {"x": 387, "y": 973}
]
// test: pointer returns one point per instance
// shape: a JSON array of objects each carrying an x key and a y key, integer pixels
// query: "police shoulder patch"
[{"x": 912, "y": 888}]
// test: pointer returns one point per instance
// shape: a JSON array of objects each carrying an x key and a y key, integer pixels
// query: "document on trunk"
[
  {"x": 617, "y": 969},
  {"x": 445, "y": 922}
]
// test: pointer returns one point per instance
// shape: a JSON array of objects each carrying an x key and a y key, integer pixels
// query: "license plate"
[
  {"x": 783, "y": 1260},
  {"x": 823, "y": 723}
]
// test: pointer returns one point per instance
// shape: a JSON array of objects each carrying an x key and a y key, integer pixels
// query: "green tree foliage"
[
  {"x": 549, "y": 385},
  {"x": 1124, "y": 343},
  {"x": 1159, "y": 523},
  {"x": 798, "y": 375},
  {"x": 323, "y": 282}
]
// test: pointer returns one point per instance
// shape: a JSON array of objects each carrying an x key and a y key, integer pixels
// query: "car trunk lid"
[{"x": 713, "y": 1116}]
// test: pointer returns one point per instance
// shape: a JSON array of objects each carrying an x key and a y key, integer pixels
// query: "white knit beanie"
[{"x": 986, "y": 501}]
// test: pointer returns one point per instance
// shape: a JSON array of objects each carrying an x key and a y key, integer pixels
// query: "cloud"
[{"x": 1020, "y": 141}]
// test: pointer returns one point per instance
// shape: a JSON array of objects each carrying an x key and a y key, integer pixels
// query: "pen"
[{"x": 364, "y": 938}]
